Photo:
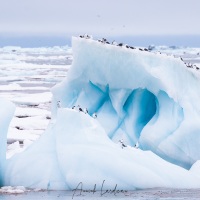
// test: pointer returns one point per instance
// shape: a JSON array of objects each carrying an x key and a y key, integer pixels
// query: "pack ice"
[{"x": 138, "y": 96}]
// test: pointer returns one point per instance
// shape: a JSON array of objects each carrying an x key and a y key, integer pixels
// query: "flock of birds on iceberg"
[
  {"x": 79, "y": 109},
  {"x": 105, "y": 41},
  {"x": 94, "y": 115}
]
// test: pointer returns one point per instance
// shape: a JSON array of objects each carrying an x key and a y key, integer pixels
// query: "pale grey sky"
[{"x": 108, "y": 17}]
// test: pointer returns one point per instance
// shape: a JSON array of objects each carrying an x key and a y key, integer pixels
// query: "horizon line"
[{"x": 65, "y": 40}]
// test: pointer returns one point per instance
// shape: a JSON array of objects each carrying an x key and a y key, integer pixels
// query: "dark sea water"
[{"x": 149, "y": 194}]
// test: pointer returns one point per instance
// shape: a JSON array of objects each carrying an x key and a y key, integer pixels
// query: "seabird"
[
  {"x": 85, "y": 110},
  {"x": 80, "y": 110},
  {"x": 189, "y": 65},
  {"x": 122, "y": 143},
  {"x": 127, "y": 46},
  {"x": 58, "y": 104},
  {"x": 85, "y": 36},
  {"x": 114, "y": 43},
  {"x": 120, "y": 44},
  {"x": 89, "y": 37},
  {"x": 94, "y": 115},
  {"x": 104, "y": 40},
  {"x": 136, "y": 145}
]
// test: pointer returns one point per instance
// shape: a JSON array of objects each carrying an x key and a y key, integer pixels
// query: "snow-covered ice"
[
  {"x": 81, "y": 151},
  {"x": 26, "y": 76},
  {"x": 6, "y": 113},
  {"x": 12, "y": 190},
  {"x": 143, "y": 98}
]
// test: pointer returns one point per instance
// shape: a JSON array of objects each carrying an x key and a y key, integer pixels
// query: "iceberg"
[
  {"x": 137, "y": 96},
  {"x": 6, "y": 113}
]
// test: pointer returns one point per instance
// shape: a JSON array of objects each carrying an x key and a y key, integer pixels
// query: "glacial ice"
[
  {"x": 6, "y": 114},
  {"x": 80, "y": 151},
  {"x": 140, "y": 97}
]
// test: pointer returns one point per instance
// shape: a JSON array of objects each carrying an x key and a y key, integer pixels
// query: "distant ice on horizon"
[{"x": 136, "y": 40}]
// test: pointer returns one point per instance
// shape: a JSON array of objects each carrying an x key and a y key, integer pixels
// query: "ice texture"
[
  {"x": 140, "y": 97},
  {"x": 6, "y": 114},
  {"x": 75, "y": 148}
]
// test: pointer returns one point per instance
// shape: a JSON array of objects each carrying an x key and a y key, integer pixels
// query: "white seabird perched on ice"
[
  {"x": 114, "y": 43},
  {"x": 136, "y": 145},
  {"x": 122, "y": 143},
  {"x": 86, "y": 36},
  {"x": 94, "y": 115},
  {"x": 58, "y": 104},
  {"x": 85, "y": 110}
]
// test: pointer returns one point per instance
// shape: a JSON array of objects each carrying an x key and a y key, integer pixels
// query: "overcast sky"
[{"x": 108, "y": 17}]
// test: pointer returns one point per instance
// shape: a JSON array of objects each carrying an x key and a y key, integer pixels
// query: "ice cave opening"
[
  {"x": 123, "y": 113},
  {"x": 134, "y": 115},
  {"x": 141, "y": 105}
]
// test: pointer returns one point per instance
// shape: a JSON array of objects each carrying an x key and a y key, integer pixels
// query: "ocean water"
[{"x": 149, "y": 194}]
